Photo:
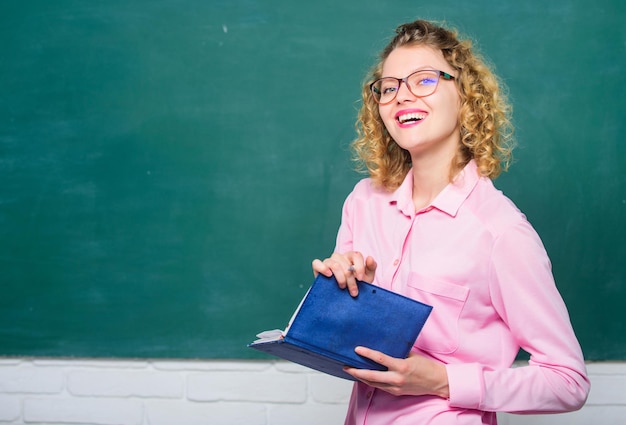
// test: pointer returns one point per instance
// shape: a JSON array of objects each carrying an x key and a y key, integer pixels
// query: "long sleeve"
[{"x": 524, "y": 295}]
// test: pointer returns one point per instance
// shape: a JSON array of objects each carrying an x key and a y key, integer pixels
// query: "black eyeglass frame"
[{"x": 440, "y": 74}]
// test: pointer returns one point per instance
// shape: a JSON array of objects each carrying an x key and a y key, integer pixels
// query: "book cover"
[{"x": 329, "y": 324}]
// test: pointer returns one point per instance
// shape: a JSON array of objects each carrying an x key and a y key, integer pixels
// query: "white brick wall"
[{"x": 156, "y": 392}]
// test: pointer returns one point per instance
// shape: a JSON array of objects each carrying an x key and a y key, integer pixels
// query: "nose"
[{"x": 404, "y": 93}]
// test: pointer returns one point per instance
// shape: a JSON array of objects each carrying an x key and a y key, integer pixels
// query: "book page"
[{"x": 277, "y": 334}]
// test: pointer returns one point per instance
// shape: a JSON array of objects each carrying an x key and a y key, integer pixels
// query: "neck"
[
  {"x": 428, "y": 181},
  {"x": 431, "y": 170}
]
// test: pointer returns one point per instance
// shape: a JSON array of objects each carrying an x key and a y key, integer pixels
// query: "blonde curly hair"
[{"x": 486, "y": 128}]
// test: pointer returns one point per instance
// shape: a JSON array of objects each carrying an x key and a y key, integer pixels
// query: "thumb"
[{"x": 370, "y": 269}]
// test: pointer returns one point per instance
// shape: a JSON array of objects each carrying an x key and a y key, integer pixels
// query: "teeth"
[{"x": 411, "y": 117}]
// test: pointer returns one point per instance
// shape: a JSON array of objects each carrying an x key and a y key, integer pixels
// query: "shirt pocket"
[{"x": 441, "y": 331}]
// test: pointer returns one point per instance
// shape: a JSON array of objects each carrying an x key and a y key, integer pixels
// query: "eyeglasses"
[{"x": 421, "y": 83}]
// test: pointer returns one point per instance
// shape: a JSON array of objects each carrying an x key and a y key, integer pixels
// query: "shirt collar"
[{"x": 449, "y": 200}]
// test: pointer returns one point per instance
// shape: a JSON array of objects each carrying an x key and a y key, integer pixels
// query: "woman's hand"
[
  {"x": 347, "y": 268},
  {"x": 415, "y": 375}
]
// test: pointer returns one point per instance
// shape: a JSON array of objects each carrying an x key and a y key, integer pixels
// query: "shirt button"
[
  {"x": 395, "y": 263},
  {"x": 369, "y": 394}
]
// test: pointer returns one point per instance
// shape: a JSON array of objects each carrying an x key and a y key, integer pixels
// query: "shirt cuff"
[{"x": 466, "y": 385}]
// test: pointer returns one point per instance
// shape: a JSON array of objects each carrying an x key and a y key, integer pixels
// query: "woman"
[{"x": 428, "y": 223}]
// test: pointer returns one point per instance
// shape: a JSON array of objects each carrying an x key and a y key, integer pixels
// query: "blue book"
[{"x": 329, "y": 323}]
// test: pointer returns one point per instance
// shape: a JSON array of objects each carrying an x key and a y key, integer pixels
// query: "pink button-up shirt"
[{"x": 474, "y": 257}]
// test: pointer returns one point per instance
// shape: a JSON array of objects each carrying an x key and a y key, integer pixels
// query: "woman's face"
[{"x": 422, "y": 125}]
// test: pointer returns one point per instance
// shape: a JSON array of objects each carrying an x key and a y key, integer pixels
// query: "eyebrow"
[{"x": 424, "y": 68}]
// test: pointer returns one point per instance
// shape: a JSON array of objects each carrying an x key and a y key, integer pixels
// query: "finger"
[
  {"x": 351, "y": 281},
  {"x": 373, "y": 378},
  {"x": 370, "y": 269},
  {"x": 358, "y": 264},
  {"x": 319, "y": 267},
  {"x": 340, "y": 265},
  {"x": 355, "y": 271},
  {"x": 374, "y": 355}
]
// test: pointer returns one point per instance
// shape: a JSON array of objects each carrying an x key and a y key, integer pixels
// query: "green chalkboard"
[{"x": 169, "y": 169}]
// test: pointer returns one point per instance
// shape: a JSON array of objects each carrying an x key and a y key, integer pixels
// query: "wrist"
[{"x": 442, "y": 388}]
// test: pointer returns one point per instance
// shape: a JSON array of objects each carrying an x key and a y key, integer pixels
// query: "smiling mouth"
[{"x": 412, "y": 117}]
